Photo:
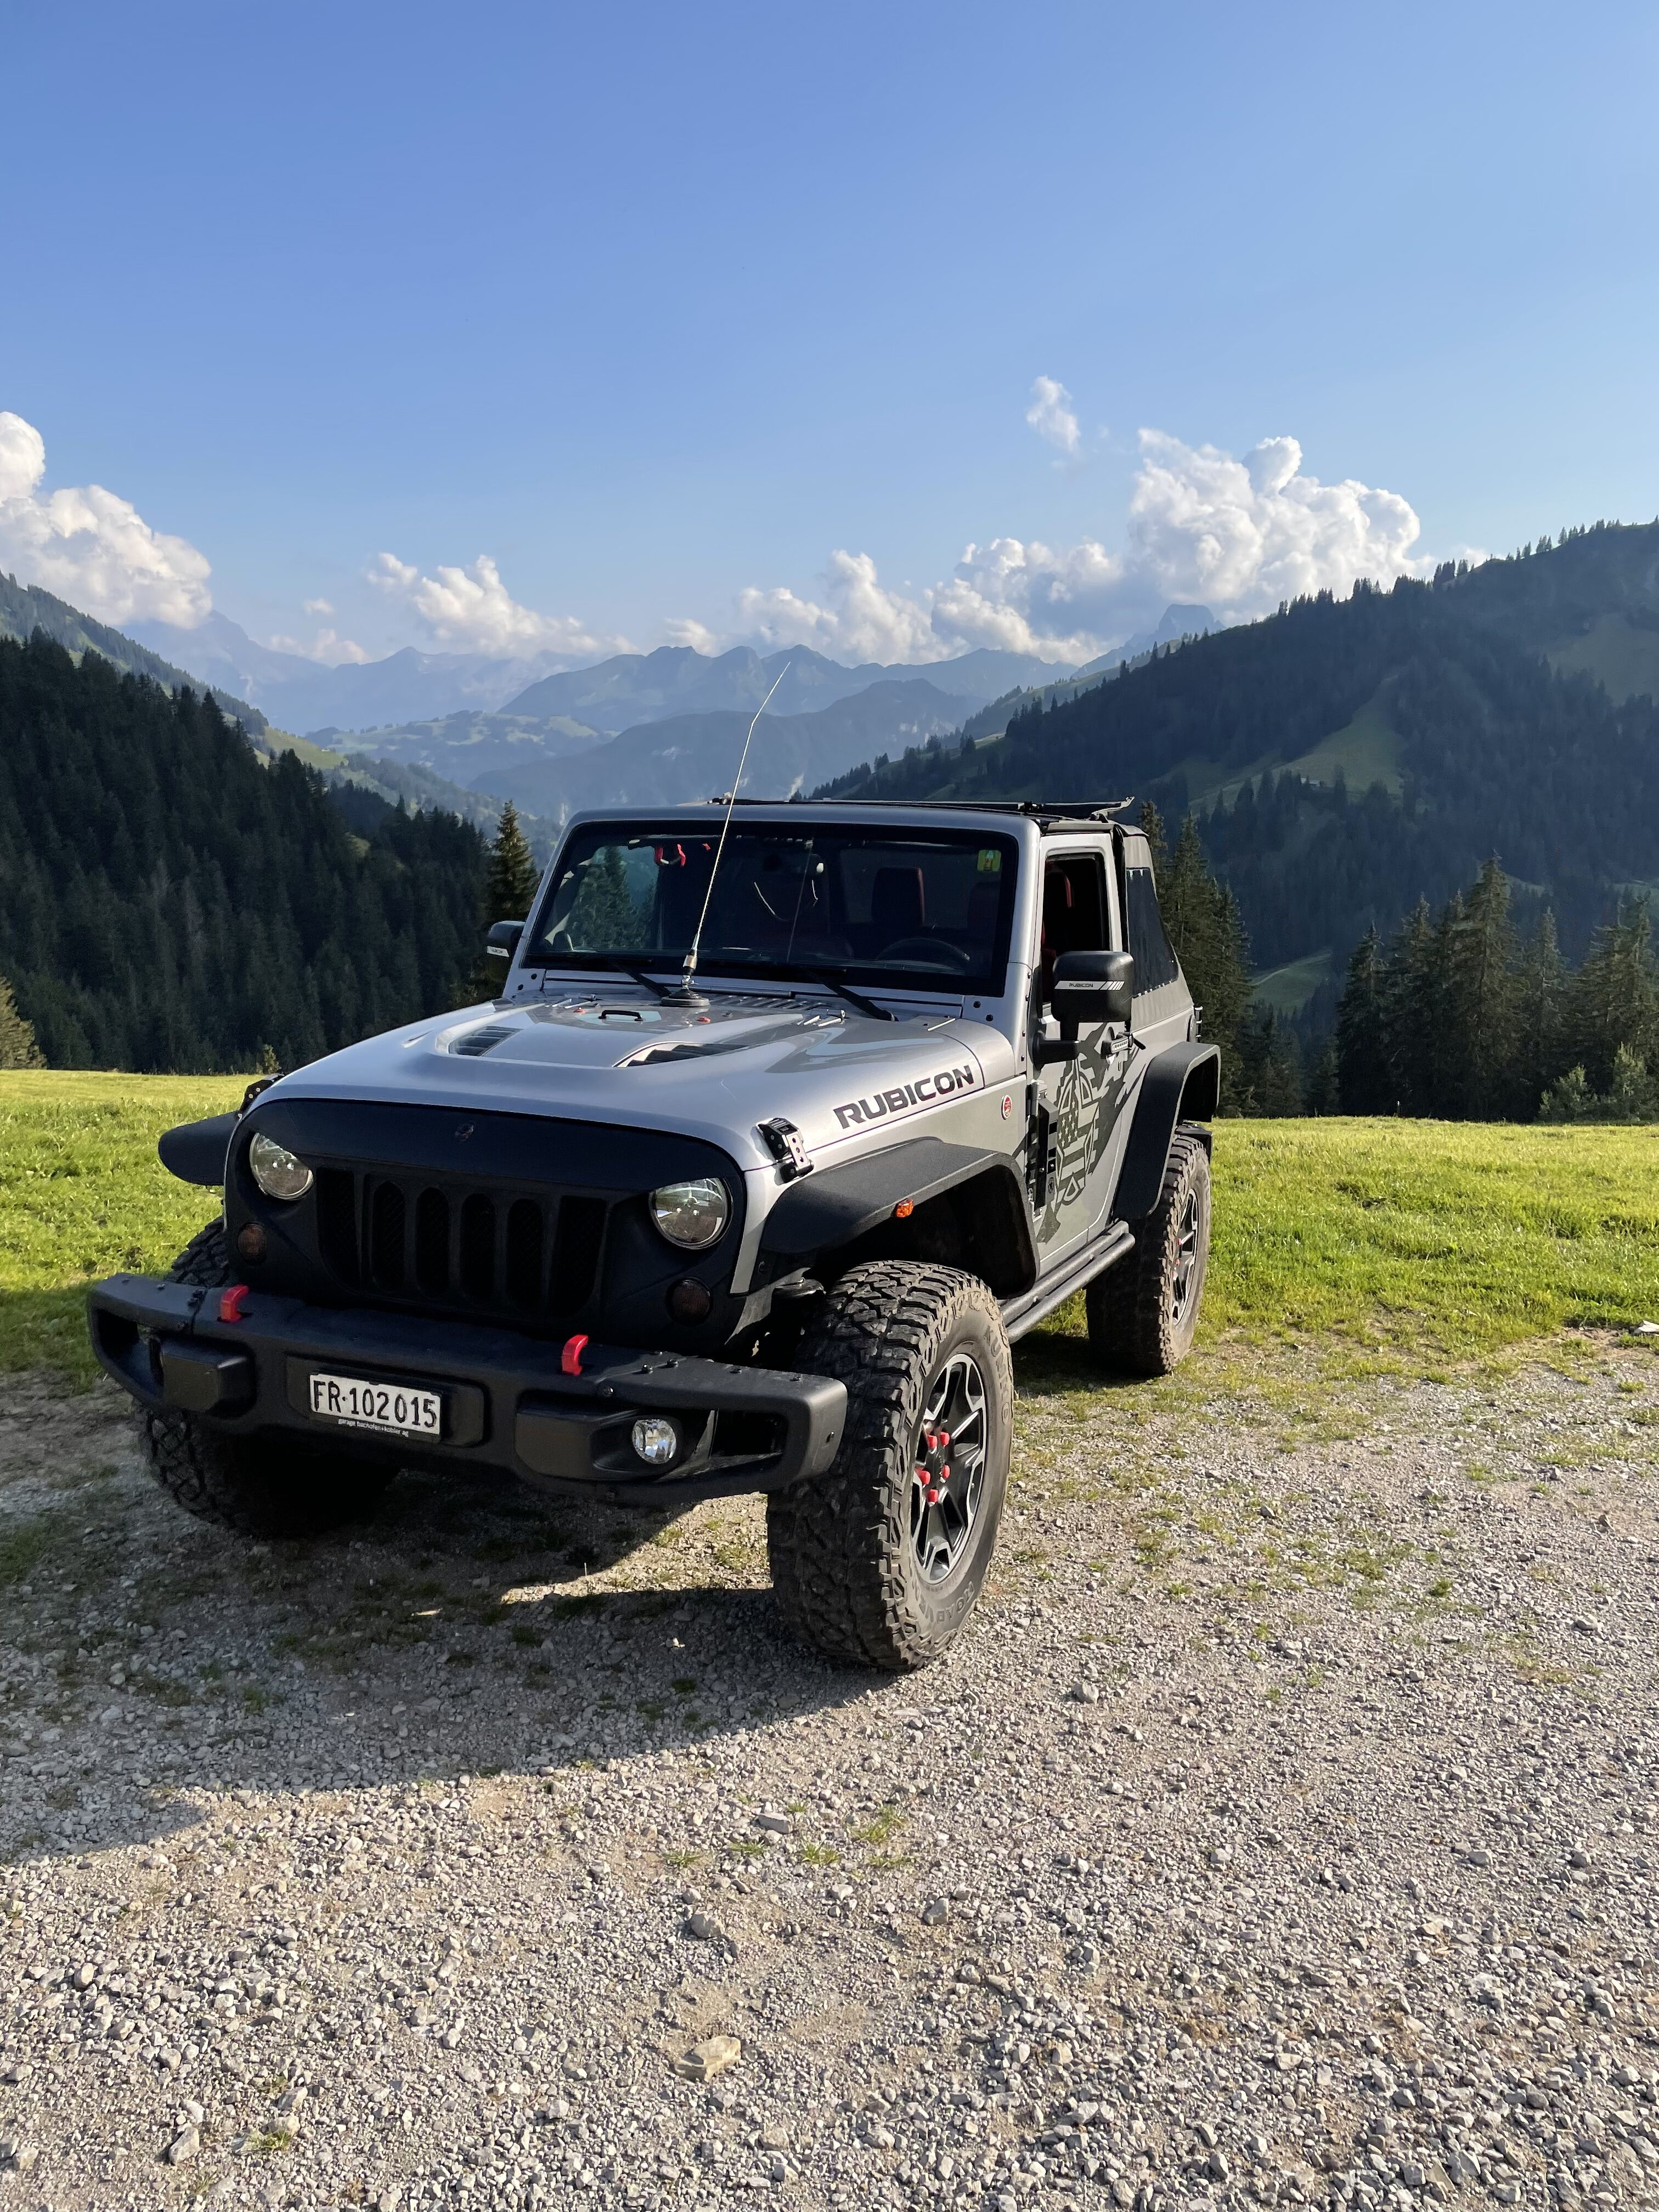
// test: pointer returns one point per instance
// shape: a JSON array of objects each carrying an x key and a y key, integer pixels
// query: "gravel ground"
[{"x": 1282, "y": 1831}]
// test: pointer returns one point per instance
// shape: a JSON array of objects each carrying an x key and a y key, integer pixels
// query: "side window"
[
  {"x": 1073, "y": 910},
  {"x": 1155, "y": 961}
]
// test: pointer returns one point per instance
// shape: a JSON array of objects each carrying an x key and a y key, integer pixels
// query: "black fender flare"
[
  {"x": 834, "y": 1206},
  {"x": 1180, "y": 1085},
  {"x": 195, "y": 1152}
]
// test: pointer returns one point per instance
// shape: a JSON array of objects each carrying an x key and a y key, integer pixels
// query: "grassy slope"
[
  {"x": 1623, "y": 657},
  {"x": 1415, "y": 1240},
  {"x": 1366, "y": 750},
  {"x": 1439, "y": 1237},
  {"x": 81, "y": 1193},
  {"x": 1288, "y": 988}
]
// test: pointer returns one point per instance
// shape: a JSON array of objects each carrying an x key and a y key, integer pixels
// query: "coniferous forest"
[{"x": 167, "y": 901}]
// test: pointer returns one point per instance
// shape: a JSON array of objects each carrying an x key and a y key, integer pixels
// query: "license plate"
[{"x": 390, "y": 1406}]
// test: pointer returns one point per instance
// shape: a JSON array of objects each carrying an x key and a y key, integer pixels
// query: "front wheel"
[{"x": 879, "y": 1561}]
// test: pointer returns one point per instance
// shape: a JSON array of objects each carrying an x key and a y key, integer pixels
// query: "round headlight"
[
  {"x": 275, "y": 1171},
  {"x": 691, "y": 1214}
]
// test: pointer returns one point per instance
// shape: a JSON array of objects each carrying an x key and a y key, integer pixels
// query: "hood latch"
[{"x": 787, "y": 1147}]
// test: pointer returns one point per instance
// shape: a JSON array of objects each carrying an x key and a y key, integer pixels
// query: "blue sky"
[{"x": 652, "y": 306}]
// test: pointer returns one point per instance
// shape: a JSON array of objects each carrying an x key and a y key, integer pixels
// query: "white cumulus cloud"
[
  {"x": 1236, "y": 536},
  {"x": 1240, "y": 536},
  {"x": 472, "y": 608},
  {"x": 856, "y": 618},
  {"x": 1052, "y": 416},
  {"x": 91, "y": 547},
  {"x": 318, "y": 607}
]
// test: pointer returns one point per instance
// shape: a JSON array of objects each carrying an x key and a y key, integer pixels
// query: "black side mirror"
[
  {"x": 503, "y": 941},
  {"x": 1092, "y": 986}
]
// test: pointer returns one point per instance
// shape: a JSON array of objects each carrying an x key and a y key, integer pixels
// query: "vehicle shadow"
[
  {"x": 464, "y": 1630},
  {"x": 1057, "y": 1362}
]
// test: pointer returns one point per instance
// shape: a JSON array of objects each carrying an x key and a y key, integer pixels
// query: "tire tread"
[{"x": 836, "y": 1544}]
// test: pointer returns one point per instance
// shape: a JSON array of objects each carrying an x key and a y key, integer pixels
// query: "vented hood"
[{"x": 715, "y": 1071}]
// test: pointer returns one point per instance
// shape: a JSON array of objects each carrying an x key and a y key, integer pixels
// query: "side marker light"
[{"x": 904, "y": 1209}]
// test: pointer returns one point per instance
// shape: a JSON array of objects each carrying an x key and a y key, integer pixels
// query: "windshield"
[{"x": 916, "y": 911}]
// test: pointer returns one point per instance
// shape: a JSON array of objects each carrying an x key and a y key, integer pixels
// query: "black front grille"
[{"x": 527, "y": 1255}]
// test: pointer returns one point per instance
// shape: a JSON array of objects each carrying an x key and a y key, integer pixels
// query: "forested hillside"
[
  {"x": 25, "y": 608},
  {"x": 167, "y": 901},
  {"x": 1347, "y": 757}
]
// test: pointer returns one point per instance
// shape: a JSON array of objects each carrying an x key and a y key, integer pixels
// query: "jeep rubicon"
[{"x": 774, "y": 1229}]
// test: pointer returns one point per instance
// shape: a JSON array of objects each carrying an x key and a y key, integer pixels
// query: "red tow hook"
[
  {"x": 570, "y": 1359},
  {"x": 230, "y": 1303}
]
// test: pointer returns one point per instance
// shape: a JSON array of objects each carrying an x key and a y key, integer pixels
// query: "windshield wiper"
[
  {"x": 615, "y": 962},
  {"x": 842, "y": 991}
]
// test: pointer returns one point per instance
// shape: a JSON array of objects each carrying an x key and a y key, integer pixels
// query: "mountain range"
[
  {"x": 303, "y": 696},
  {"x": 411, "y": 687},
  {"x": 514, "y": 729},
  {"x": 550, "y": 765}
]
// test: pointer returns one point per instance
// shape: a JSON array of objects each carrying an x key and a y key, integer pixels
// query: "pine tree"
[
  {"x": 1207, "y": 932},
  {"x": 511, "y": 876},
  {"x": 1414, "y": 967},
  {"x": 1568, "y": 1098},
  {"x": 1615, "y": 999},
  {"x": 1365, "y": 1075},
  {"x": 1479, "y": 1028},
  {"x": 1323, "y": 1094},
  {"x": 17, "y": 1046},
  {"x": 1152, "y": 822},
  {"x": 1540, "y": 1002}
]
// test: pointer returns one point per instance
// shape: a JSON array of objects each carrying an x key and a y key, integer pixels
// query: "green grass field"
[{"x": 1421, "y": 1241}]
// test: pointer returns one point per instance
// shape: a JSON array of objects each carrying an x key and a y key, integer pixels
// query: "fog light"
[
  {"x": 690, "y": 1300},
  {"x": 655, "y": 1441},
  {"x": 251, "y": 1241}
]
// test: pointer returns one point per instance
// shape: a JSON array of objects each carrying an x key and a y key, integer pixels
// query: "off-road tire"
[
  {"x": 257, "y": 1485},
  {"x": 844, "y": 1566},
  {"x": 1143, "y": 1312}
]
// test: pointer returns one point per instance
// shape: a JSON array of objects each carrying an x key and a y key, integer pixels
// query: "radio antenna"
[{"x": 685, "y": 992}]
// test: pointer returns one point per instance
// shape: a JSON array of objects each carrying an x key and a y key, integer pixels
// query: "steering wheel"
[{"x": 932, "y": 952}]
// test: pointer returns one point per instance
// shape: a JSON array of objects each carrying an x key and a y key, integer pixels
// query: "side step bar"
[{"x": 1034, "y": 1305}]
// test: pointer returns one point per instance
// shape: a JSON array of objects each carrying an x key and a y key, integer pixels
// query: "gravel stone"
[{"x": 1345, "y": 1875}]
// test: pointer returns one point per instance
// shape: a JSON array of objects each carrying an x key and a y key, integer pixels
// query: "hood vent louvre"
[{"x": 476, "y": 1042}]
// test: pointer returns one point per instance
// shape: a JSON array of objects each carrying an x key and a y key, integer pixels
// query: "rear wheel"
[
  {"x": 269, "y": 1486},
  {"x": 880, "y": 1561},
  {"x": 1143, "y": 1312}
]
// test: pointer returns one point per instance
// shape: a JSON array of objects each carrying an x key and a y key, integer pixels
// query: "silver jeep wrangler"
[{"x": 787, "y": 1119}]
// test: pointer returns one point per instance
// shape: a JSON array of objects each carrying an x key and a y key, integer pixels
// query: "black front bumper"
[{"x": 507, "y": 1401}]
